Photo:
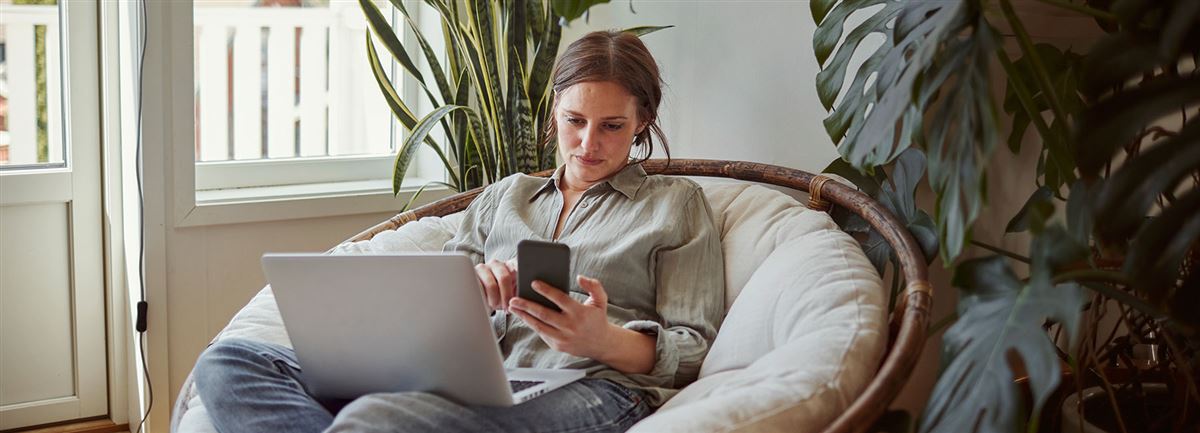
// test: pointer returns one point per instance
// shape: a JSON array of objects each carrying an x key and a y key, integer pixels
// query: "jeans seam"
[{"x": 617, "y": 421}]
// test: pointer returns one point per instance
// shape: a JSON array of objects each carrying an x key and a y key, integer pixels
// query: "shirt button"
[{"x": 584, "y": 204}]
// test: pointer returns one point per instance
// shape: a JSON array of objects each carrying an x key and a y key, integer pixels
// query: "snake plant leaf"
[
  {"x": 537, "y": 12},
  {"x": 435, "y": 66},
  {"x": 517, "y": 30},
  {"x": 386, "y": 34},
  {"x": 484, "y": 147},
  {"x": 489, "y": 72},
  {"x": 524, "y": 139},
  {"x": 419, "y": 134},
  {"x": 1037, "y": 209},
  {"x": 402, "y": 113},
  {"x": 644, "y": 30},
  {"x": 570, "y": 10},
  {"x": 482, "y": 18},
  {"x": 543, "y": 63},
  {"x": 1000, "y": 315},
  {"x": 416, "y": 194}
]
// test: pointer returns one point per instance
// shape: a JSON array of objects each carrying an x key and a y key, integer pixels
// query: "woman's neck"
[{"x": 569, "y": 184}]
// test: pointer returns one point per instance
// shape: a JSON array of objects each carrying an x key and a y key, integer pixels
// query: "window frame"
[{"x": 242, "y": 191}]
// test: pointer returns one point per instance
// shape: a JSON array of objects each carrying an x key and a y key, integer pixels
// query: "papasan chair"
[{"x": 807, "y": 344}]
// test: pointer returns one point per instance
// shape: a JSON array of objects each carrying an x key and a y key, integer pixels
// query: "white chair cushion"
[{"x": 801, "y": 342}]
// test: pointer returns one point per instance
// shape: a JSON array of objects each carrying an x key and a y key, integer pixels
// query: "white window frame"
[{"x": 225, "y": 192}]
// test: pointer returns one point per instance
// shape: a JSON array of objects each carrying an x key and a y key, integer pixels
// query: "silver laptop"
[{"x": 401, "y": 322}]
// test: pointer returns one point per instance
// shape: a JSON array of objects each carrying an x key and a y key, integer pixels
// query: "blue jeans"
[{"x": 250, "y": 386}]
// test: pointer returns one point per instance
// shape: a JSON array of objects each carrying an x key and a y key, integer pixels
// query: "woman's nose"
[{"x": 591, "y": 138}]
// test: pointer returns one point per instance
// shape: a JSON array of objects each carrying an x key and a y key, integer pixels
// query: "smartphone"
[{"x": 546, "y": 261}]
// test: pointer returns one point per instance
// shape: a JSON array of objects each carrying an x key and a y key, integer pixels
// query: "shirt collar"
[{"x": 627, "y": 181}]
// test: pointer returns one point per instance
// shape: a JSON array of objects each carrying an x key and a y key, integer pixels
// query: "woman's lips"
[{"x": 588, "y": 161}]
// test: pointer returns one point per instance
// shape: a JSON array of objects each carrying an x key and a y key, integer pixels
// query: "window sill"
[{"x": 278, "y": 203}]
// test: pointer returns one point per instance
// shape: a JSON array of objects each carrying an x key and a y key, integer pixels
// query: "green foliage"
[
  {"x": 928, "y": 46},
  {"x": 998, "y": 315},
  {"x": 491, "y": 88},
  {"x": 897, "y": 195},
  {"x": 1128, "y": 179}
]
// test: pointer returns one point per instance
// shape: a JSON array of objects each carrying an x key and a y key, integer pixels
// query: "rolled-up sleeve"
[{"x": 689, "y": 299}]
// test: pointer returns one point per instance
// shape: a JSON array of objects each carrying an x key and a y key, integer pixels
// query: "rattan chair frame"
[{"x": 908, "y": 319}]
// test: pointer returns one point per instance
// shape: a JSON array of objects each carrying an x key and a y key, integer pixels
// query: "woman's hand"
[
  {"x": 499, "y": 280},
  {"x": 583, "y": 329}
]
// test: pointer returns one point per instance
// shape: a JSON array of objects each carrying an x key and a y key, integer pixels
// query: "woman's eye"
[
  {"x": 574, "y": 120},
  {"x": 614, "y": 126}
]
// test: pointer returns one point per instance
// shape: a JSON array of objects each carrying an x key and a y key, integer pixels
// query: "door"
[{"x": 52, "y": 318}]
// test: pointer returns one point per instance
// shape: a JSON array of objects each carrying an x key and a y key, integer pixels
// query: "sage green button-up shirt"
[{"x": 651, "y": 242}]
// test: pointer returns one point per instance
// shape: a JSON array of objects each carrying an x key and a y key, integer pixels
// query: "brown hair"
[{"x": 622, "y": 58}]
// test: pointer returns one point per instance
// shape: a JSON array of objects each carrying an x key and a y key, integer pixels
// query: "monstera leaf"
[
  {"x": 930, "y": 86},
  {"x": 1056, "y": 163},
  {"x": 897, "y": 195},
  {"x": 1000, "y": 315}
]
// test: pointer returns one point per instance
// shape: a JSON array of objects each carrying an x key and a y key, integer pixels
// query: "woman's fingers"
[
  {"x": 551, "y": 335},
  {"x": 595, "y": 289},
  {"x": 545, "y": 315},
  {"x": 558, "y": 297},
  {"x": 506, "y": 282},
  {"x": 491, "y": 290}
]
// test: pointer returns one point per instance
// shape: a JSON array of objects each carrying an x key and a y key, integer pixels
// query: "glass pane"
[
  {"x": 285, "y": 79},
  {"x": 30, "y": 84}
]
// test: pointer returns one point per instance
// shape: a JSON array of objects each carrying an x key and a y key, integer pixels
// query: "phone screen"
[{"x": 546, "y": 261}]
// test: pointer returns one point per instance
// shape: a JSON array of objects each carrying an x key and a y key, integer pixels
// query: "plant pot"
[{"x": 1098, "y": 413}]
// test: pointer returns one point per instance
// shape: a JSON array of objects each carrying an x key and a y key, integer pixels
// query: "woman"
[{"x": 639, "y": 318}]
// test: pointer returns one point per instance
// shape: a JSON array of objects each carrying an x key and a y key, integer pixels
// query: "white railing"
[
  {"x": 19, "y": 140},
  {"x": 285, "y": 82}
]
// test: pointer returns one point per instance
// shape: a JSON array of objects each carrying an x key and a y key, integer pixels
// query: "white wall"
[{"x": 739, "y": 77}]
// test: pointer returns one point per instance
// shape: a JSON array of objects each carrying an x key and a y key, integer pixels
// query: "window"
[
  {"x": 284, "y": 96},
  {"x": 30, "y": 85}
]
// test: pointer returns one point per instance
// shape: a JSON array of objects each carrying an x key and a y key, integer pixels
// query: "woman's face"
[{"x": 596, "y": 124}]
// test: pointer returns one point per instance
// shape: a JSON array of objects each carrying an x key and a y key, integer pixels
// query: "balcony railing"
[
  {"x": 20, "y": 130},
  {"x": 276, "y": 82}
]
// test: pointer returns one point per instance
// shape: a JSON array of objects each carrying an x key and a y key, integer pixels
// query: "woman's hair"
[{"x": 621, "y": 58}]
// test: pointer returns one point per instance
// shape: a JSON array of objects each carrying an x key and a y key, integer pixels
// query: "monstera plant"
[
  {"x": 490, "y": 86},
  {"x": 1115, "y": 216}
]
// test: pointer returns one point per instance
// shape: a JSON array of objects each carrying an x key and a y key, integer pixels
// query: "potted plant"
[
  {"x": 491, "y": 86},
  {"x": 1114, "y": 221}
]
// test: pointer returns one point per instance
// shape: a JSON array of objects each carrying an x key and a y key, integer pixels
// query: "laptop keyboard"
[{"x": 521, "y": 385}]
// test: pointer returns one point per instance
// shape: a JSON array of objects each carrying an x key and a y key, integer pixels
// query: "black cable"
[{"x": 142, "y": 305}]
